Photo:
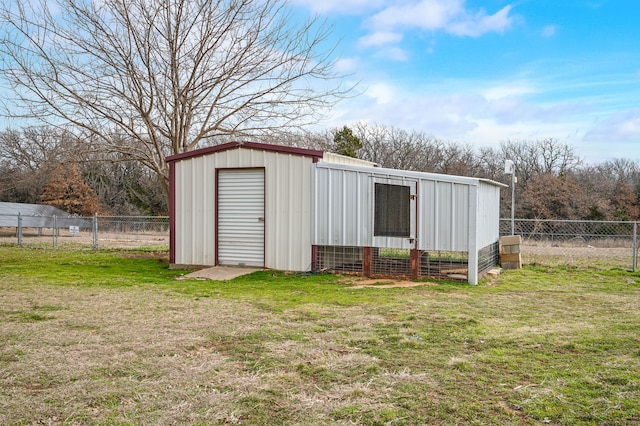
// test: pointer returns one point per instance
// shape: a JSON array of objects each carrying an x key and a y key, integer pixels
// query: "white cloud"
[
  {"x": 619, "y": 126},
  {"x": 395, "y": 54},
  {"x": 347, "y": 65},
  {"x": 348, "y": 7},
  {"x": 385, "y": 19},
  {"x": 514, "y": 110},
  {"x": 425, "y": 14},
  {"x": 380, "y": 38},
  {"x": 450, "y": 16},
  {"x": 549, "y": 31},
  {"x": 469, "y": 111},
  {"x": 382, "y": 93},
  {"x": 503, "y": 90},
  {"x": 481, "y": 23}
]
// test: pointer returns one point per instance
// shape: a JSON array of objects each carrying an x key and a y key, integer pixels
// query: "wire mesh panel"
[
  {"x": 97, "y": 231},
  {"x": 396, "y": 263},
  {"x": 391, "y": 262},
  {"x": 579, "y": 243},
  {"x": 488, "y": 257},
  {"x": 444, "y": 265},
  {"x": 41, "y": 231},
  {"x": 339, "y": 259},
  {"x": 133, "y": 231}
]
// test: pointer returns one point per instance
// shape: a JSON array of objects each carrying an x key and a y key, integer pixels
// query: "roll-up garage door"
[{"x": 241, "y": 217}]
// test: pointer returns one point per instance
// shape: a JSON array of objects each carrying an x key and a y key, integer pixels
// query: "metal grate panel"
[{"x": 339, "y": 259}]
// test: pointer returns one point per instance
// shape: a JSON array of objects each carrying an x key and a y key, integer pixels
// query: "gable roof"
[
  {"x": 315, "y": 154},
  {"x": 332, "y": 161}
]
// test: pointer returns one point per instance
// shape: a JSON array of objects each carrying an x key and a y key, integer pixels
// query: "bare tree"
[
  {"x": 621, "y": 170},
  {"x": 547, "y": 156},
  {"x": 124, "y": 187},
  {"x": 491, "y": 163},
  {"x": 151, "y": 78},
  {"x": 612, "y": 189},
  {"x": 400, "y": 149},
  {"x": 27, "y": 158}
]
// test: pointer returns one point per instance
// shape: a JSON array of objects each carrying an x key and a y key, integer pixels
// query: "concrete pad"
[{"x": 219, "y": 273}]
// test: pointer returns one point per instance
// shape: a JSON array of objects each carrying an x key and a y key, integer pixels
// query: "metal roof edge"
[
  {"x": 315, "y": 154},
  {"x": 408, "y": 173}
]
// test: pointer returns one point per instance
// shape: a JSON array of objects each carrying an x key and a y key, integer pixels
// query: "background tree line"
[
  {"x": 118, "y": 85},
  {"x": 52, "y": 166},
  {"x": 554, "y": 182}
]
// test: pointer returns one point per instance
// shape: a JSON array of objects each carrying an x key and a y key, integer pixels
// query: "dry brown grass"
[
  {"x": 86, "y": 355},
  {"x": 108, "y": 338},
  {"x": 131, "y": 352}
]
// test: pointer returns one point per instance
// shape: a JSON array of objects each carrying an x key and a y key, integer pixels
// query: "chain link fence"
[
  {"x": 576, "y": 243},
  {"x": 546, "y": 242},
  {"x": 95, "y": 232}
]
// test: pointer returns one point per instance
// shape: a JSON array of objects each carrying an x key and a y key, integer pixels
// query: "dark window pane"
[{"x": 392, "y": 211}]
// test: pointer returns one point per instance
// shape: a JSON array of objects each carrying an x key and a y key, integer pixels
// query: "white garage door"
[{"x": 241, "y": 217}]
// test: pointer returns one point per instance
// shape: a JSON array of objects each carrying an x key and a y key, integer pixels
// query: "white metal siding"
[
  {"x": 241, "y": 217},
  {"x": 488, "y": 214},
  {"x": 443, "y": 215},
  {"x": 343, "y": 207},
  {"x": 450, "y": 208},
  {"x": 194, "y": 213},
  {"x": 287, "y": 206}
]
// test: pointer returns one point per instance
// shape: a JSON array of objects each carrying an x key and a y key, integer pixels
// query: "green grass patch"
[
  {"x": 112, "y": 337},
  {"x": 87, "y": 267}
]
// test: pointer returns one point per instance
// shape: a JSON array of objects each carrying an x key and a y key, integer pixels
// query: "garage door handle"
[{"x": 261, "y": 219}]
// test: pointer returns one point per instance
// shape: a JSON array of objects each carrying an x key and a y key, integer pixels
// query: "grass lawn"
[{"x": 111, "y": 337}]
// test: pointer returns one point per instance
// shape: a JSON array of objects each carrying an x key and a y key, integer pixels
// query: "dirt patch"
[{"x": 382, "y": 283}]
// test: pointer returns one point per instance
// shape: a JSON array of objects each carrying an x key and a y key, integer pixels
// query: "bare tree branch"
[{"x": 166, "y": 76}]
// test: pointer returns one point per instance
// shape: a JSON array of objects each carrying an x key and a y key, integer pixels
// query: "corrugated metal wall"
[
  {"x": 287, "y": 206},
  {"x": 449, "y": 208},
  {"x": 488, "y": 214},
  {"x": 443, "y": 214},
  {"x": 342, "y": 207}
]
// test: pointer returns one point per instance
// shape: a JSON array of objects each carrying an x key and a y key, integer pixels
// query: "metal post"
[
  {"x": 19, "y": 230},
  {"x": 55, "y": 232},
  {"x": 635, "y": 246},
  {"x": 510, "y": 167},
  {"x": 513, "y": 200},
  {"x": 95, "y": 231}
]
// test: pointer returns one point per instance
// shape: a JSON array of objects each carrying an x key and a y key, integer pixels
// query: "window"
[{"x": 392, "y": 211}]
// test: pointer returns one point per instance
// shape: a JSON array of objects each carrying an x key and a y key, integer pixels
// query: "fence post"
[
  {"x": 19, "y": 230},
  {"x": 54, "y": 243},
  {"x": 95, "y": 231},
  {"x": 635, "y": 246}
]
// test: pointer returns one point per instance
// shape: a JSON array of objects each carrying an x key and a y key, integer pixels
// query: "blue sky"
[{"x": 483, "y": 72}]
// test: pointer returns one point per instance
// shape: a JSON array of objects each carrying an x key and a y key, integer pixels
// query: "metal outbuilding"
[{"x": 294, "y": 209}]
